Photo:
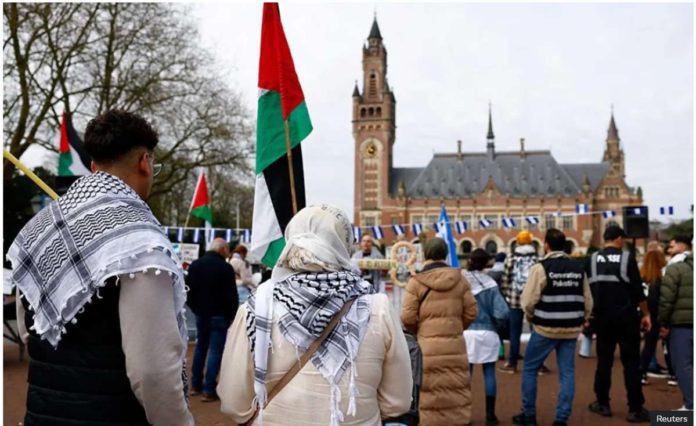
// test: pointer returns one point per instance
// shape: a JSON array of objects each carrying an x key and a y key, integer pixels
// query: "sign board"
[{"x": 187, "y": 252}]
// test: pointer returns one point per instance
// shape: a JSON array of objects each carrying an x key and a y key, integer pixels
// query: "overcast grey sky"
[{"x": 551, "y": 71}]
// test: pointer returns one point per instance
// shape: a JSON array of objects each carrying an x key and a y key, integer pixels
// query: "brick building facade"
[{"x": 474, "y": 185}]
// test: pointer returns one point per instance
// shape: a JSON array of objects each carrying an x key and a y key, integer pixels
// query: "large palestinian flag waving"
[{"x": 281, "y": 103}]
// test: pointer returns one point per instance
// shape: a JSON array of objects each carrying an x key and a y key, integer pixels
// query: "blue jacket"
[{"x": 492, "y": 307}]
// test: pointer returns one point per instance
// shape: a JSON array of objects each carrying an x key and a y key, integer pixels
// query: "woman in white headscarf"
[{"x": 360, "y": 374}]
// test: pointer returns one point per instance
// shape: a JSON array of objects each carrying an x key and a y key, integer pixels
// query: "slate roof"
[{"x": 535, "y": 175}]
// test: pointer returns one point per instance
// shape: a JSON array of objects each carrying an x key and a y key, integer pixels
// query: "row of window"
[{"x": 370, "y": 112}]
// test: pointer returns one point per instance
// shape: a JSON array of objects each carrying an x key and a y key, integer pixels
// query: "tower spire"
[
  {"x": 374, "y": 31},
  {"x": 490, "y": 145},
  {"x": 613, "y": 132},
  {"x": 490, "y": 136}
]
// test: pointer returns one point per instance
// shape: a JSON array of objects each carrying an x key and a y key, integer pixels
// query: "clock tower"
[{"x": 373, "y": 131}]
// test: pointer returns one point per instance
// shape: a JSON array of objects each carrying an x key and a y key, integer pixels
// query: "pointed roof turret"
[
  {"x": 374, "y": 31},
  {"x": 356, "y": 91},
  {"x": 613, "y": 132},
  {"x": 490, "y": 123}
]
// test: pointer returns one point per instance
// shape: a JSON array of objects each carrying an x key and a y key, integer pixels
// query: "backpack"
[{"x": 520, "y": 271}]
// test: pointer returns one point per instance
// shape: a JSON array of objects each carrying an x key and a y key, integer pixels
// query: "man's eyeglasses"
[{"x": 156, "y": 167}]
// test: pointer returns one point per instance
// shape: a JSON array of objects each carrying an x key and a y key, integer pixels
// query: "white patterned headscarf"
[{"x": 311, "y": 282}]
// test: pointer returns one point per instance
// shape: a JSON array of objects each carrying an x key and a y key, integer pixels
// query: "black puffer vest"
[{"x": 83, "y": 381}]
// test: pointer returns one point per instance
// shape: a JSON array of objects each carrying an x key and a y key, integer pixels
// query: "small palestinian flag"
[
  {"x": 200, "y": 206},
  {"x": 281, "y": 103},
  {"x": 73, "y": 159}
]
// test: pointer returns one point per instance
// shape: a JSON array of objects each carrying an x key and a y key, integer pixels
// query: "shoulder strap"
[{"x": 304, "y": 358}]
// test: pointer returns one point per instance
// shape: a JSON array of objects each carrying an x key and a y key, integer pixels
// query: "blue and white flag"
[
  {"x": 667, "y": 210},
  {"x": 377, "y": 232},
  {"x": 417, "y": 229},
  {"x": 509, "y": 222},
  {"x": 608, "y": 213},
  {"x": 436, "y": 227},
  {"x": 532, "y": 220},
  {"x": 445, "y": 232},
  {"x": 166, "y": 231},
  {"x": 196, "y": 232},
  {"x": 485, "y": 223},
  {"x": 398, "y": 230},
  {"x": 209, "y": 235},
  {"x": 228, "y": 235},
  {"x": 582, "y": 208},
  {"x": 357, "y": 234},
  {"x": 180, "y": 234},
  {"x": 461, "y": 226},
  {"x": 246, "y": 236}
]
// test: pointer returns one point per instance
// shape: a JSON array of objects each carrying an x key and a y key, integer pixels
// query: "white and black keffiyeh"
[
  {"x": 305, "y": 304},
  {"x": 311, "y": 282},
  {"x": 100, "y": 229}
]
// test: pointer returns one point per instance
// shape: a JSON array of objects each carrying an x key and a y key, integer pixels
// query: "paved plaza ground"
[{"x": 658, "y": 394}]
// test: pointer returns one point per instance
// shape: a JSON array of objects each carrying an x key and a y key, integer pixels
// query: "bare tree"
[{"x": 87, "y": 58}]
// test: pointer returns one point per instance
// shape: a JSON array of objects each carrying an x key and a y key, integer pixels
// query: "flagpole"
[
  {"x": 290, "y": 167},
  {"x": 37, "y": 180}
]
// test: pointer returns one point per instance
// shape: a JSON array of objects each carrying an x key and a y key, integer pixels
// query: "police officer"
[{"x": 618, "y": 294}]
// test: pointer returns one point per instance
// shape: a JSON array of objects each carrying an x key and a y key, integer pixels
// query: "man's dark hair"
[
  {"x": 111, "y": 135},
  {"x": 684, "y": 239},
  {"x": 478, "y": 259},
  {"x": 555, "y": 239}
]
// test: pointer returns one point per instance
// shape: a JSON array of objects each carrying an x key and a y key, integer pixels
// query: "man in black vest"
[
  {"x": 557, "y": 300},
  {"x": 213, "y": 298},
  {"x": 103, "y": 294},
  {"x": 617, "y": 290}
]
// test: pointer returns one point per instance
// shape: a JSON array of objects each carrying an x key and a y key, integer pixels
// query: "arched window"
[
  {"x": 371, "y": 112},
  {"x": 379, "y": 111},
  {"x": 492, "y": 247},
  {"x": 466, "y": 247},
  {"x": 363, "y": 112},
  {"x": 513, "y": 246}
]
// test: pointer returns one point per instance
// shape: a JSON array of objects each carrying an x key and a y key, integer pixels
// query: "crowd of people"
[{"x": 103, "y": 307}]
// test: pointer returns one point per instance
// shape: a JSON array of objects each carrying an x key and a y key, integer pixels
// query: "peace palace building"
[{"x": 476, "y": 185}]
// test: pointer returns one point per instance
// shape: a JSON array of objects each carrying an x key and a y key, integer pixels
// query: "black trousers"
[{"x": 623, "y": 331}]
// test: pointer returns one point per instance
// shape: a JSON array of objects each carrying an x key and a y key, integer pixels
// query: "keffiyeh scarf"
[
  {"x": 305, "y": 303},
  {"x": 100, "y": 229}
]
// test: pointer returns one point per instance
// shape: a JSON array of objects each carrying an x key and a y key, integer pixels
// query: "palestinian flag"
[
  {"x": 73, "y": 159},
  {"x": 200, "y": 205},
  {"x": 280, "y": 100}
]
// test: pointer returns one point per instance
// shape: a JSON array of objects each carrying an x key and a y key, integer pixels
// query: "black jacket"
[
  {"x": 212, "y": 287},
  {"x": 83, "y": 381}
]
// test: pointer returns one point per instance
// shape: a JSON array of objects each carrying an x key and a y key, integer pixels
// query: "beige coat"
[
  {"x": 448, "y": 309},
  {"x": 536, "y": 282},
  {"x": 384, "y": 379}
]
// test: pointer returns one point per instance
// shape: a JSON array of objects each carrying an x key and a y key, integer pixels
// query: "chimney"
[{"x": 459, "y": 150}]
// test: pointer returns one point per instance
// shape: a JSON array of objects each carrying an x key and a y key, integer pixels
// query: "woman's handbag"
[{"x": 303, "y": 359}]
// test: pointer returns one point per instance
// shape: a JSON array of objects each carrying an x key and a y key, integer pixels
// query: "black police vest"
[
  {"x": 610, "y": 284},
  {"x": 83, "y": 381},
  {"x": 562, "y": 302}
]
